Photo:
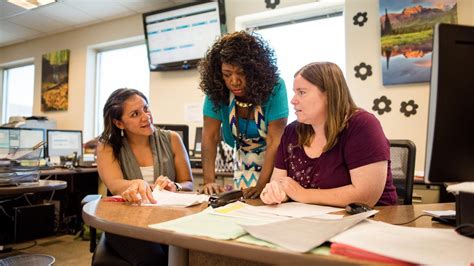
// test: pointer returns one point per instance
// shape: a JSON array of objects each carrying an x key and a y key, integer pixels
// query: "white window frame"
[
  {"x": 3, "y": 89},
  {"x": 288, "y": 14},
  {"x": 114, "y": 46}
]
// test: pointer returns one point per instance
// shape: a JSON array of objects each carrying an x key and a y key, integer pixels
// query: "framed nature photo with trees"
[
  {"x": 407, "y": 36},
  {"x": 55, "y": 81}
]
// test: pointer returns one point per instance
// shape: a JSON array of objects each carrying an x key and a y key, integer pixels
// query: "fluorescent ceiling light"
[{"x": 30, "y": 4}]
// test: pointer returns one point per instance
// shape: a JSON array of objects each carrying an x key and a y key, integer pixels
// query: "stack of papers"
[
  {"x": 432, "y": 246},
  {"x": 168, "y": 198},
  {"x": 297, "y": 209},
  {"x": 303, "y": 234},
  {"x": 225, "y": 222}
]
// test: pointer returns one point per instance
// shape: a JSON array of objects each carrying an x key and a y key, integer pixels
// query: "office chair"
[
  {"x": 402, "y": 156},
  {"x": 103, "y": 254}
]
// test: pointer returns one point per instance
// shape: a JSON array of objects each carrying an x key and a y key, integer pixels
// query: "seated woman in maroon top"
[{"x": 335, "y": 153}]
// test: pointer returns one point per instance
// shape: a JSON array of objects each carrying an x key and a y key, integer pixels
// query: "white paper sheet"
[
  {"x": 417, "y": 245},
  {"x": 168, "y": 198},
  {"x": 303, "y": 234},
  {"x": 440, "y": 213},
  {"x": 296, "y": 209},
  {"x": 247, "y": 212}
]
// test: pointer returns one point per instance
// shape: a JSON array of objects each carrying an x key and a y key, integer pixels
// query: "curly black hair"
[{"x": 247, "y": 51}]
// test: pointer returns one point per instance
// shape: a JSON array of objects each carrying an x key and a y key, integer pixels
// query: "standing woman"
[
  {"x": 133, "y": 157},
  {"x": 244, "y": 96}
]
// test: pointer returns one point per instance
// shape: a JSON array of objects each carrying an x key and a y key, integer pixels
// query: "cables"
[
  {"x": 30, "y": 246},
  {"x": 414, "y": 219}
]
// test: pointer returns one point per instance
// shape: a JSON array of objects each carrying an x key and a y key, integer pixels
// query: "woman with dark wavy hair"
[
  {"x": 134, "y": 157},
  {"x": 335, "y": 153},
  {"x": 245, "y": 96}
]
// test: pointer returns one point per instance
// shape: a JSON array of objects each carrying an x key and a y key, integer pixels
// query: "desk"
[
  {"x": 10, "y": 201},
  {"x": 40, "y": 186},
  {"x": 109, "y": 217},
  {"x": 80, "y": 183}
]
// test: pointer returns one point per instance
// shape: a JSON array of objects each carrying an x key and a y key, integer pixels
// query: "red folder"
[{"x": 357, "y": 253}]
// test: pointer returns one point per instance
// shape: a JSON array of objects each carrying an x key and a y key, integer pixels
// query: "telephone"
[
  {"x": 54, "y": 161},
  {"x": 87, "y": 160},
  {"x": 225, "y": 198}
]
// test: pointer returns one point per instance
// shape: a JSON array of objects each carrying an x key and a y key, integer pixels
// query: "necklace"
[
  {"x": 242, "y": 135},
  {"x": 242, "y": 104}
]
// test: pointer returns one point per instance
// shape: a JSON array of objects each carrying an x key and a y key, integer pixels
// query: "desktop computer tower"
[
  {"x": 34, "y": 221},
  {"x": 464, "y": 208}
]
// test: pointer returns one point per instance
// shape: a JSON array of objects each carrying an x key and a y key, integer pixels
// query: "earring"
[{"x": 121, "y": 132}]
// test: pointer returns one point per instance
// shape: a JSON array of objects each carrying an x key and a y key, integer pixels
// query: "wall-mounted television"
[{"x": 179, "y": 36}]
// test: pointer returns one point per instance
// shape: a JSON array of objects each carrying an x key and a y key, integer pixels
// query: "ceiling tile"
[
  {"x": 143, "y": 6},
  {"x": 104, "y": 9},
  {"x": 66, "y": 14},
  {"x": 37, "y": 21},
  {"x": 8, "y": 10},
  {"x": 13, "y": 29}
]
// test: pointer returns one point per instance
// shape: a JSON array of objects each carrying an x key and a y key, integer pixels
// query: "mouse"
[{"x": 355, "y": 208}]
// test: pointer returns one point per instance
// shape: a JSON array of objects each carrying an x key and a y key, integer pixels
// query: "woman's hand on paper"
[
  {"x": 138, "y": 192},
  {"x": 291, "y": 188},
  {"x": 273, "y": 193},
  {"x": 212, "y": 188},
  {"x": 163, "y": 182},
  {"x": 253, "y": 192}
]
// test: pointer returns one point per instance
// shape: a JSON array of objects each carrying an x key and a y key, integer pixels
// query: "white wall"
[
  {"x": 171, "y": 91},
  {"x": 79, "y": 42},
  {"x": 363, "y": 45}
]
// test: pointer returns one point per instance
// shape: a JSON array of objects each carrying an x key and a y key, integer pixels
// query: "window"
[
  {"x": 120, "y": 68},
  {"x": 301, "y": 35},
  {"x": 18, "y": 91}
]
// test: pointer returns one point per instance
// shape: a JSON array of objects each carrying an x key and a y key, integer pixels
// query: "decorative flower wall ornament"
[
  {"x": 363, "y": 71},
  {"x": 360, "y": 18},
  {"x": 408, "y": 108},
  {"x": 272, "y": 3},
  {"x": 382, "y": 105}
]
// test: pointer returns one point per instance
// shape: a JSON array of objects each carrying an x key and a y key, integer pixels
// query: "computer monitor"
[
  {"x": 182, "y": 130},
  {"x": 197, "y": 142},
  {"x": 20, "y": 138},
  {"x": 64, "y": 142},
  {"x": 450, "y": 138}
]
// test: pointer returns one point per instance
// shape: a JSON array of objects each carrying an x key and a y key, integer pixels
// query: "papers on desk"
[
  {"x": 440, "y": 213},
  {"x": 417, "y": 245},
  {"x": 296, "y": 209},
  {"x": 303, "y": 234},
  {"x": 168, "y": 198},
  {"x": 207, "y": 224},
  {"x": 221, "y": 223}
]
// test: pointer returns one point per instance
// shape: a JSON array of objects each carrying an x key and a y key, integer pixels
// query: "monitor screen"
[
  {"x": 20, "y": 138},
  {"x": 64, "y": 142},
  {"x": 197, "y": 141},
  {"x": 182, "y": 130},
  {"x": 178, "y": 37},
  {"x": 450, "y": 141}
]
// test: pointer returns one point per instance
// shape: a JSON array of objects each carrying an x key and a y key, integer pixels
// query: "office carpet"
[{"x": 66, "y": 249}]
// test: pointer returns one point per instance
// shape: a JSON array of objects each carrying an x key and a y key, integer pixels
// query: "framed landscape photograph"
[
  {"x": 55, "y": 81},
  {"x": 407, "y": 36}
]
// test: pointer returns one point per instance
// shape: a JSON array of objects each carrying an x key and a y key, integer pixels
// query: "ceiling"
[{"x": 19, "y": 25}]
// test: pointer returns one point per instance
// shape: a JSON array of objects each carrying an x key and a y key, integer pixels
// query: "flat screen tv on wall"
[{"x": 179, "y": 36}]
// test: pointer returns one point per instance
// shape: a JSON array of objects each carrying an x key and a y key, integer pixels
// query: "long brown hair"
[
  {"x": 328, "y": 78},
  {"x": 113, "y": 109}
]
